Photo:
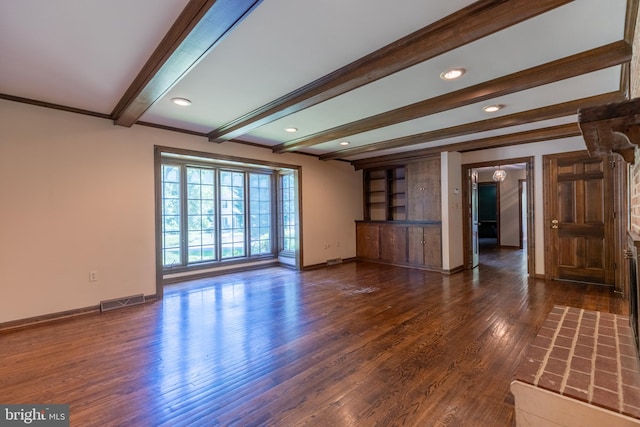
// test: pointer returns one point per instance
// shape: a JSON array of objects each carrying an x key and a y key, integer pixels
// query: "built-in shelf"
[{"x": 385, "y": 194}]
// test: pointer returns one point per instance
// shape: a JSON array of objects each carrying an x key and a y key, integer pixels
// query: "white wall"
[
  {"x": 77, "y": 195},
  {"x": 451, "y": 183},
  {"x": 537, "y": 150}
]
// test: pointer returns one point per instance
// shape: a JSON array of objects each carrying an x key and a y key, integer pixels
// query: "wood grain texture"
[
  {"x": 581, "y": 63},
  {"x": 199, "y": 28},
  {"x": 480, "y": 19},
  {"x": 356, "y": 344},
  {"x": 525, "y": 137},
  {"x": 539, "y": 114}
]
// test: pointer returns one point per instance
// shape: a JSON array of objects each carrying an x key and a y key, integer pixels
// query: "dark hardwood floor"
[{"x": 355, "y": 344}]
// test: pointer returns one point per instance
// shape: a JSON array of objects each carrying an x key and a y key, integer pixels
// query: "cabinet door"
[
  {"x": 415, "y": 238},
  {"x": 433, "y": 246},
  {"x": 367, "y": 241},
  {"x": 425, "y": 246},
  {"x": 393, "y": 243},
  {"x": 423, "y": 190}
]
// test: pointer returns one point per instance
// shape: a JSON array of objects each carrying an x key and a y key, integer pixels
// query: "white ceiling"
[{"x": 85, "y": 54}]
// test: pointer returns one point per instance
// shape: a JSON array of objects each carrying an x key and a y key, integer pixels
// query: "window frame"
[
  {"x": 219, "y": 162},
  {"x": 281, "y": 225}
]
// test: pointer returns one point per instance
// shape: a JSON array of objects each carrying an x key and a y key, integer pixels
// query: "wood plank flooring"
[{"x": 356, "y": 344}]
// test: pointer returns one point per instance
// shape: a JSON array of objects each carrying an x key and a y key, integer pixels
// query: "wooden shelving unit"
[
  {"x": 402, "y": 215},
  {"x": 385, "y": 194}
]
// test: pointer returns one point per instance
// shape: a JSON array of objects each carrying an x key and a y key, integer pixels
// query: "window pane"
[
  {"x": 195, "y": 223},
  {"x": 193, "y": 207},
  {"x": 171, "y": 207},
  {"x": 170, "y": 173},
  {"x": 207, "y": 176},
  {"x": 171, "y": 257},
  {"x": 193, "y": 176},
  {"x": 193, "y": 191},
  {"x": 171, "y": 190},
  {"x": 172, "y": 223}
]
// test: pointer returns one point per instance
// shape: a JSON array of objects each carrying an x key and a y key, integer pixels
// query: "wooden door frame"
[
  {"x": 466, "y": 216},
  {"x": 522, "y": 183}
]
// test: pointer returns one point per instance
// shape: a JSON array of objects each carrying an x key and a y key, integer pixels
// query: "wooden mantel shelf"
[{"x": 612, "y": 127}]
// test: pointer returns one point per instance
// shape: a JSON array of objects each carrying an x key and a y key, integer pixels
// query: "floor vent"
[
  {"x": 334, "y": 261},
  {"x": 112, "y": 304}
]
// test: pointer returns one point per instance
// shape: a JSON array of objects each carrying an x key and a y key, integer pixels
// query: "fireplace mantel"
[{"x": 611, "y": 128}]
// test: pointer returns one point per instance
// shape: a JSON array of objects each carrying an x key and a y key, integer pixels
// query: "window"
[
  {"x": 171, "y": 228},
  {"x": 232, "y": 214},
  {"x": 260, "y": 212},
  {"x": 212, "y": 212},
  {"x": 288, "y": 213},
  {"x": 201, "y": 215}
]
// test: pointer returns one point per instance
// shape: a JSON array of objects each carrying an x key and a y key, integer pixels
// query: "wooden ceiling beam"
[
  {"x": 200, "y": 26},
  {"x": 545, "y": 113},
  {"x": 582, "y": 63},
  {"x": 477, "y": 20},
  {"x": 527, "y": 137}
]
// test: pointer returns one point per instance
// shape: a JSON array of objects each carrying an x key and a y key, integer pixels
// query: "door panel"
[
  {"x": 416, "y": 245},
  {"x": 367, "y": 241},
  {"x": 423, "y": 190},
  {"x": 393, "y": 243},
  {"x": 578, "y": 218},
  {"x": 432, "y": 246}
]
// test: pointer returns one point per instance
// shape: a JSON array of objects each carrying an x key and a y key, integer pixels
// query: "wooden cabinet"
[
  {"x": 424, "y": 201},
  {"x": 393, "y": 243},
  {"x": 367, "y": 241},
  {"x": 402, "y": 215},
  {"x": 400, "y": 243},
  {"x": 425, "y": 245}
]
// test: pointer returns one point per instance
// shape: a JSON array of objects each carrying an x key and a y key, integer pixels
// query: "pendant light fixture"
[{"x": 499, "y": 175}]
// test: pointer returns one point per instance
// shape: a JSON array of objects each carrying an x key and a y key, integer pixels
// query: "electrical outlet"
[{"x": 93, "y": 276}]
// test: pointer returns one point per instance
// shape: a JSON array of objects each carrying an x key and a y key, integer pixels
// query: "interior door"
[
  {"x": 475, "y": 241},
  {"x": 579, "y": 219}
]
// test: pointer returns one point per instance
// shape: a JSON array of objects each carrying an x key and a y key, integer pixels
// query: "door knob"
[{"x": 554, "y": 223}]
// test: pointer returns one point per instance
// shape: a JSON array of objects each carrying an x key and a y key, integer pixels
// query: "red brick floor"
[{"x": 586, "y": 355}]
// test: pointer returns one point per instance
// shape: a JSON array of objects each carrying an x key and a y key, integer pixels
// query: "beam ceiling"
[{"x": 479, "y": 20}]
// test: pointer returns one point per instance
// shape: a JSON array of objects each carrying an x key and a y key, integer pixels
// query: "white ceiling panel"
[
  {"x": 84, "y": 55},
  {"x": 81, "y": 54}
]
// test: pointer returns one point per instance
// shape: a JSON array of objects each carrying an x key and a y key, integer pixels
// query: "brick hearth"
[{"x": 586, "y": 355}]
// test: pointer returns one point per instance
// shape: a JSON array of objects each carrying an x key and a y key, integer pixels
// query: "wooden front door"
[{"x": 579, "y": 219}]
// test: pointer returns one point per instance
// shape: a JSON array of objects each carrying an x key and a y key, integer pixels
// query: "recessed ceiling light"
[
  {"x": 452, "y": 74},
  {"x": 344, "y": 143},
  {"x": 183, "y": 102},
  {"x": 291, "y": 130},
  {"x": 492, "y": 108}
]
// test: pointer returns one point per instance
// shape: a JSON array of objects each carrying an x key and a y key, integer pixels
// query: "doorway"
[
  {"x": 504, "y": 212},
  {"x": 488, "y": 214}
]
